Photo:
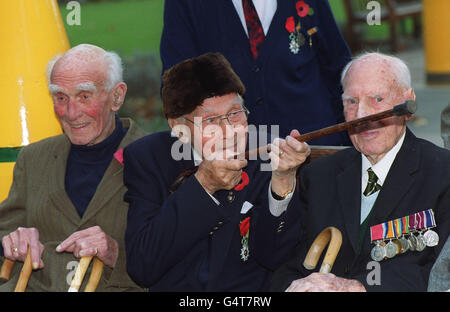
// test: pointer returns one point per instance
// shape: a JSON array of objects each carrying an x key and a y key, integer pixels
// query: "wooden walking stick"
[
  {"x": 406, "y": 108},
  {"x": 329, "y": 235},
  {"x": 24, "y": 273},
  {"x": 94, "y": 279},
  {"x": 6, "y": 269}
]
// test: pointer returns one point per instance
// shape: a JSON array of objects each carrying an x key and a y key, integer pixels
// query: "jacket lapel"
[
  {"x": 112, "y": 181},
  {"x": 349, "y": 193},
  {"x": 56, "y": 176},
  {"x": 398, "y": 181}
]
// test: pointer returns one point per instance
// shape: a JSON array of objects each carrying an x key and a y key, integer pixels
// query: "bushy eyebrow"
[
  {"x": 86, "y": 86},
  {"x": 54, "y": 88}
]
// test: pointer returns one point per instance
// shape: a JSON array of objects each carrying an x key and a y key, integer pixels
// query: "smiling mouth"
[{"x": 79, "y": 126}]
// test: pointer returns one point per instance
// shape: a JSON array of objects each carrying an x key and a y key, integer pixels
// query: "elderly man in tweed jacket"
[{"x": 66, "y": 198}]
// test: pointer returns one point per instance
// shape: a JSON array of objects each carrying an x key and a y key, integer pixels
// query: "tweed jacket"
[{"x": 37, "y": 198}]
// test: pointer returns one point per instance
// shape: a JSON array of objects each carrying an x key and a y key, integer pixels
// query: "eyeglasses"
[{"x": 233, "y": 118}]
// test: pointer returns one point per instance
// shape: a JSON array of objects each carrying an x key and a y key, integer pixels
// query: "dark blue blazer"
[
  {"x": 419, "y": 179},
  {"x": 184, "y": 241},
  {"x": 295, "y": 91}
]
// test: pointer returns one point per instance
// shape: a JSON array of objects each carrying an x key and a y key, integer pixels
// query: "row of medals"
[{"x": 383, "y": 250}]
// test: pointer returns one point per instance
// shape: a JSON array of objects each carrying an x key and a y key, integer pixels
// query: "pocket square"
[{"x": 246, "y": 206}]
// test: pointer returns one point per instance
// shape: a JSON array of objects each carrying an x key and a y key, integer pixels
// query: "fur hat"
[{"x": 187, "y": 84}]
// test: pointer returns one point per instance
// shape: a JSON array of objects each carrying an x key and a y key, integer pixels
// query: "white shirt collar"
[{"x": 381, "y": 168}]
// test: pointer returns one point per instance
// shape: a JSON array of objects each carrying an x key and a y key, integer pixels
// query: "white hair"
[
  {"x": 114, "y": 73},
  {"x": 398, "y": 67}
]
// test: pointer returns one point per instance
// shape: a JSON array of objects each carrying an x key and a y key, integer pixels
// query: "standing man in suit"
[
  {"x": 390, "y": 174},
  {"x": 66, "y": 200},
  {"x": 229, "y": 225},
  {"x": 289, "y": 55}
]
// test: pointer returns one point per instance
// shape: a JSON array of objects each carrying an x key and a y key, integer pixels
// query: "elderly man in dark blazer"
[
  {"x": 289, "y": 55},
  {"x": 66, "y": 200},
  {"x": 229, "y": 225},
  {"x": 390, "y": 174}
]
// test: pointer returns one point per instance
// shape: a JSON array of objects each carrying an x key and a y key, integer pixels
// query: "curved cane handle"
[
  {"x": 24, "y": 273},
  {"x": 329, "y": 235},
  {"x": 5, "y": 271},
  {"x": 81, "y": 271}
]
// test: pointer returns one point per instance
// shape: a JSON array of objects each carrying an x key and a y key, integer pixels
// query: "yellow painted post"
[
  {"x": 437, "y": 40},
  {"x": 31, "y": 33}
]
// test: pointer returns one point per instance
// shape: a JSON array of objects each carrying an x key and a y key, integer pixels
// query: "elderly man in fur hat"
[{"x": 229, "y": 225}]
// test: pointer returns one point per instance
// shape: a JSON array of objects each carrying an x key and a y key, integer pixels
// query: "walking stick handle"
[
  {"x": 329, "y": 235},
  {"x": 94, "y": 279},
  {"x": 24, "y": 273},
  {"x": 5, "y": 271}
]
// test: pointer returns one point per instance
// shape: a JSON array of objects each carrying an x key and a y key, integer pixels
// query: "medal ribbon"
[
  {"x": 376, "y": 232},
  {"x": 398, "y": 227},
  {"x": 405, "y": 225},
  {"x": 390, "y": 229},
  {"x": 429, "y": 218}
]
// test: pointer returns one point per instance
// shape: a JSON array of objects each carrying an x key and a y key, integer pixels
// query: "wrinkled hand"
[
  {"x": 321, "y": 282},
  {"x": 92, "y": 242},
  {"x": 15, "y": 246},
  {"x": 286, "y": 155}
]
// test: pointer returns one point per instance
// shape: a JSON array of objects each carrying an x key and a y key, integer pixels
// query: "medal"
[
  {"x": 420, "y": 242},
  {"x": 412, "y": 240},
  {"x": 391, "y": 249},
  {"x": 378, "y": 252},
  {"x": 430, "y": 236},
  {"x": 244, "y": 229},
  {"x": 311, "y": 32}
]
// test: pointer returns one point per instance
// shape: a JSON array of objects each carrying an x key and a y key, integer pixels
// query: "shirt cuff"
[{"x": 277, "y": 207}]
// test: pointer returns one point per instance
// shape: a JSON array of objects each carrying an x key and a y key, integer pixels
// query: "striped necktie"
[
  {"x": 372, "y": 185},
  {"x": 254, "y": 27}
]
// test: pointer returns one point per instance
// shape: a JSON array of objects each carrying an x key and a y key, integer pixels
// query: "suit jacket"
[
  {"x": 417, "y": 180},
  {"x": 37, "y": 199},
  {"x": 295, "y": 91},
  {"x": 184, "y": 241}
]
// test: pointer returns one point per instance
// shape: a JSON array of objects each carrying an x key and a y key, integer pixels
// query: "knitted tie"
[
  {"x": 254, "y": 27},
  {"x": 372, "y": 185}
]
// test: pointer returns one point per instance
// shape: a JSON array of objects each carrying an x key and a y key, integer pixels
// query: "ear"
[
  {"x": 181, "y": 130},
  {"x": 409, "y": 94},
  {"x": 118, "y": 95}
]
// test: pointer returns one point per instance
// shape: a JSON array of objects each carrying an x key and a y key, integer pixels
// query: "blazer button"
[
  {"x": 230, "y": 197},
  {"x": 259, "y": 101},
  {"x": 255, "y": 68}
]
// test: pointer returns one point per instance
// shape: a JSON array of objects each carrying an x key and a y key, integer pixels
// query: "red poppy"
[
  {"x": 245, "y": 180},
  {"x": 244, "y": 226},
  {"x": 290, "y": 24},
  {"x": 119, "y": 156},
  {"x": 302, "y": 8}
]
